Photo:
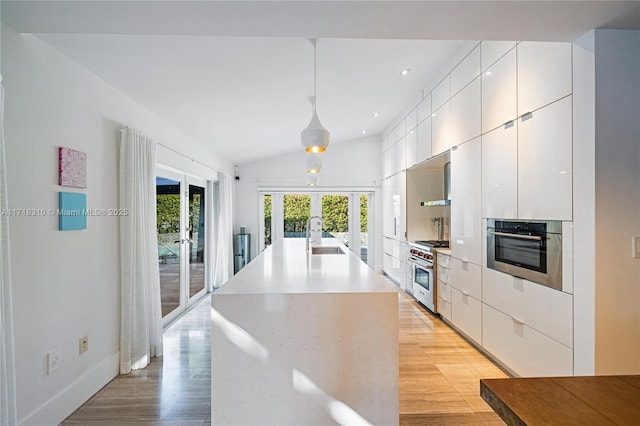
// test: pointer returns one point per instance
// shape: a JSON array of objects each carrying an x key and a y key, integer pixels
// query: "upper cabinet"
[
  {"x": 441, "y": 93},
  {"x": 500, "y": 172},
  {"x": 466, "y": 114},
  {"x": 411, "y": 147},
  {"x": 466, "y": 222},
  {"x": 466, "y": 71},
  {"x": 400, "y": 155},
  {"x": 424, "y": 109},
  {"x": 544, "y": 74},
  {"x": 499, "y": 100},
  {"x": 441, "y": 129},
  {"x": 545, "y": 162},
  {"x": 424, "y": 140},
  {"x": 491, "y": 51}
]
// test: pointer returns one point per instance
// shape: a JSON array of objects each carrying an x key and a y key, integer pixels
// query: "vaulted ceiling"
[{"x": 238, "y": 74}]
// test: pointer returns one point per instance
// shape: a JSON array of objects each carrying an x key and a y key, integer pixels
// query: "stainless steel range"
[{"x": 421, "y": 255}]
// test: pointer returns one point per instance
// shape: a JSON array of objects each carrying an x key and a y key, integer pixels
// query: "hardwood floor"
[{"x": 439, "y": 377}]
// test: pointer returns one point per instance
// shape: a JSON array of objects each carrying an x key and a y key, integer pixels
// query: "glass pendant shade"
[
  {"x": 312, "y": 179},
  {"x": 313, "y": 163}
]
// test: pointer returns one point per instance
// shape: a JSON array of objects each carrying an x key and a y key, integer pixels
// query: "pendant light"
[
  {"x": 313, "y": 163},
  {"x": 315, "y": 138},
  {"x": 312, "y": 179}
]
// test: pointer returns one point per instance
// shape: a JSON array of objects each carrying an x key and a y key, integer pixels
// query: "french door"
[
  {"x": 346, "y": 217},
  {"x": 181, "y": 216}
]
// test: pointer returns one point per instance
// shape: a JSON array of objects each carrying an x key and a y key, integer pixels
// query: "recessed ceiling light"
[
  {"x": 405, "y": 71},
  {"x": 364, "y": 132},
  {"x": 376, "y": 114}
]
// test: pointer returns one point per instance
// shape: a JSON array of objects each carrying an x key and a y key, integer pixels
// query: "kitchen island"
[{"x": 305, "y": 339}]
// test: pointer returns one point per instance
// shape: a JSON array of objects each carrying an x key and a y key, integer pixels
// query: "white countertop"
[
  {"x": 285, "y": 267},
  {"x": 446, "y": 251}
]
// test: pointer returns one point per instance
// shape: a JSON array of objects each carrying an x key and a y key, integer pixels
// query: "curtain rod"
[{"x": 189, "y": 158}]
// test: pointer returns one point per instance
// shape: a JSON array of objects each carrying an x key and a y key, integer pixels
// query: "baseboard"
[{"x": 60, "y": 406}]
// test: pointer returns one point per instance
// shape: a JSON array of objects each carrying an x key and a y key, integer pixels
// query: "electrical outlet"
[
  {"x": 83, "y": 344},
  {"x": 635, "y": 247},
  {"x": 54, "y": 359}
]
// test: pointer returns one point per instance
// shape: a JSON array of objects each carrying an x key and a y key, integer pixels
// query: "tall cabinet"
[{"x": 505, "y": 114}]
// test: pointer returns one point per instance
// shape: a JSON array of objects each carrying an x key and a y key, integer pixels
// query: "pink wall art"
[{"x": 72, "y": 170}]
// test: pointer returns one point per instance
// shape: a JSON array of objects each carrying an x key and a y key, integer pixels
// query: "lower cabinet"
[
  {"x": 525, "y": 351},
  {"x": 444, "y": 300},
  {"x": 466, "y": 314}
]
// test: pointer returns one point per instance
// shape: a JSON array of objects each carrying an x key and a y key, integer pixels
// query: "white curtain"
[
  {"x": 224, "y": 236},
  {"x": 141, "y": 315},
  {"x": 7, "y": 362}
]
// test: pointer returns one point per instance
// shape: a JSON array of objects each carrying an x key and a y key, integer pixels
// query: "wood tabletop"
[{"x": 590, "y": 400}]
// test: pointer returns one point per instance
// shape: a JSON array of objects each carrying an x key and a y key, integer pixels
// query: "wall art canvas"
[
  {"x": 72, "y": 169},
  {"x": 72, "y": 211}
]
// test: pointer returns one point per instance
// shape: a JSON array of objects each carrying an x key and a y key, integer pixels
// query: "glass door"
[
  {"x": 181, "y": 216},
  {"x": 195, "y": 244}
]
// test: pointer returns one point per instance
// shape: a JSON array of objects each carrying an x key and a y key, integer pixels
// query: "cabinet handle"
[
  {"x": 526, "y": 116},
  {"x": 465, "y": 294},
  {"x": 517, "y": 321},
  {"x": 508, "y": 124}
]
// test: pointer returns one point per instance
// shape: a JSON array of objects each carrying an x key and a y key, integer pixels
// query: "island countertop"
[{"x": 286, "y": 267}]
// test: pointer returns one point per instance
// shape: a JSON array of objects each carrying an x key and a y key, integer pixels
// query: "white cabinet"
[
  {"x": 400, "y": 155},
  {"x": 466, "y": 222},
  {"x": 387, "y": 210},
  {"x": 491, "y": 51},
  {"x": 441, "y": 129},
  {"x": 443, "y": 275},
  {"x": 441, "y": 93},
  {"x": 398, "y": 205},
  {"x": 411, "y": 147},
  {"x": 411, "y": 122},
  {"x": 466, "y": 71},
  {"x": 545, "y": 163},
  {"x": 500, "y": 172},
  {"x": 466, "y": 277},
  {"x": 388, "y": 162},
  {"x": 424, "y": 109},
  {"x": 544, "y": 74},
  {"x": 424, "y": 140},
  {"x": 466, "y": 314},
  {"x": 466, "y": 115},
  {"x": 522, "y": 349},
  {"x": 444, "y": 300},
  {"x": 542, "y": 308},
  {"x": 499, "y": 93}
]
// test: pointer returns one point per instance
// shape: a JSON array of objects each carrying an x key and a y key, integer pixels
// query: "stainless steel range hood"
[{"x": 446, "y": 200}]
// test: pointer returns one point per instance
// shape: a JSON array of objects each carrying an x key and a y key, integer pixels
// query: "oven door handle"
[
  {"x": 523, "y": 237},
  {"x": 420, "y": 264}
]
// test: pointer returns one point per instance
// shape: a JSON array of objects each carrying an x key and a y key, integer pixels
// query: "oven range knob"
[{"x": 429, "y": 256}]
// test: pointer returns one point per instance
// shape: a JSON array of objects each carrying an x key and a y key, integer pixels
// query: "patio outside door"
[{"x": 181, "y": 203}]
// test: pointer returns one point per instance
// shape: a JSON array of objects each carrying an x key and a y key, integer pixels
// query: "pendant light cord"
[{"x": 315, "y": 76}]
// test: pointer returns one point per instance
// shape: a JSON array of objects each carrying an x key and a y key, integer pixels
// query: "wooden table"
[{"x": 592, "y": 400}]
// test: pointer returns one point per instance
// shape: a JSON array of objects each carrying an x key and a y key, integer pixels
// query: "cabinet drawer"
[
  {"x": 521, "y": 348},
  {"x": 444, "y": 308},
  {"x": 544, "y": 309},
  {"x": 444, "y": 274},
  {"x": 466, "y": 277},
  {"x": 444, "y": 291},
  {"x": 466, "y": 315},
  {"x": 387, "y": 264},
  {"x": 443, "y": 259},
  {"x": 387, "y": 245}
]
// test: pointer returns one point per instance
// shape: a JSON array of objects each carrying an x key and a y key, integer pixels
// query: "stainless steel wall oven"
[{"x": 527, "y": 249}]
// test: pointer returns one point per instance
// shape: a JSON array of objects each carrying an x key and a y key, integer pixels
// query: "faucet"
[{"x": 308, "y": 223}]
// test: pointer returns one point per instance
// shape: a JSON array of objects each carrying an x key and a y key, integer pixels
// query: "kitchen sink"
[{"x": 326, "y": 250}]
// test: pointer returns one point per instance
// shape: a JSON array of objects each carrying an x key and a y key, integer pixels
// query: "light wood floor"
[{"x": 439, "y": 378}]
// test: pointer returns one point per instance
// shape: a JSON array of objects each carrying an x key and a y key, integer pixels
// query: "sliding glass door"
[{"x": 181, "y": 212}]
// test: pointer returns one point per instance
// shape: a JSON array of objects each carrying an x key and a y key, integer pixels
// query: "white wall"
[
  {"x": 606, "y": 202},
  {"x": 345, "y": 165},
  {"x": 617, "y": 171},
  {"x": 66, "y": 284}
]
